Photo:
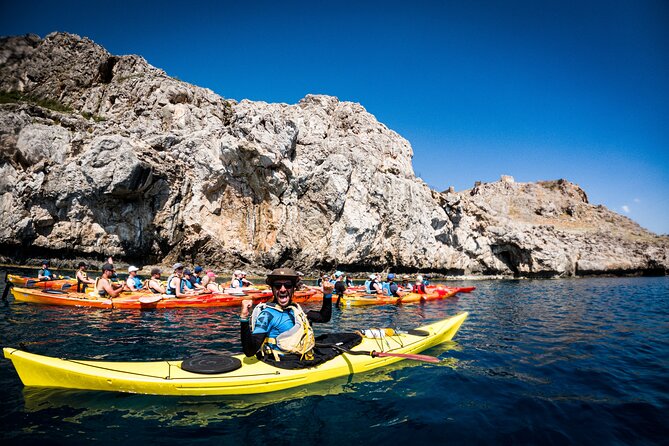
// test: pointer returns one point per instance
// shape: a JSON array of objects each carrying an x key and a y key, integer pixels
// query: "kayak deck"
[{"x": 254, "y": 376}]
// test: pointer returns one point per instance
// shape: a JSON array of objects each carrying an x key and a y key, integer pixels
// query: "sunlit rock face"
[{"x": 106, "y": 155}]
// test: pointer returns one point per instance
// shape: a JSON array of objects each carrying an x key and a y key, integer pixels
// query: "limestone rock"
[{"x": 106, "y": 155}]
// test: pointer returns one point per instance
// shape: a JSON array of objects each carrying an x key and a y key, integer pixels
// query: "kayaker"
[
  {"x": 154, "y": 284},
  {"x": 373, "y": 286},
  {"x": 236, "y": 281},
  {"x": 419, "y": 287},
  {"x": 339, "y": 286},
  {"x": 390, "y": 288},
  {"x": 104, "y": 286},
  {"x": 45, "y": 273},
  {"x": 245, "y": 281},
  {"x": 405, "y": 285},
  {"x": 281, "y": 327},
  {"x": 133, "y": 282},
  {"x": 209, "y": 282},
  {"x": 197, "y": 275},
  {"x": 176, "y": 284},
  {"x": 82, "y": 278}
]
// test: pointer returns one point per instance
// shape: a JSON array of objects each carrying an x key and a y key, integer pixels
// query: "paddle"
[{"x": 375, "y": 354}]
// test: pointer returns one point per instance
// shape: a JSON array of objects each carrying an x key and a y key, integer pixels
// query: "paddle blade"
[{"x": 415, "y": 357}]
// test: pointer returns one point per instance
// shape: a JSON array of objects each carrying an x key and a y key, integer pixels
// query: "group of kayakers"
[
  {"x": 394, "y": 287},
  {"x": 273, "y": 329},
  {"x": 185, "y": 282}
]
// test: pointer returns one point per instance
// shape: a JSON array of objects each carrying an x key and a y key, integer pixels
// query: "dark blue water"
[{"x": 582, "y": 361}]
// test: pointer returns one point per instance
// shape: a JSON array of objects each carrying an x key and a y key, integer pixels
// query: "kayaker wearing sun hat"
[{"x": 280, "y": 326}]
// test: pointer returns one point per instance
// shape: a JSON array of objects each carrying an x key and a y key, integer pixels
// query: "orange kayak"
[
  {"x": 142, "y": 300},
  {"x": 29, "y": 282},
  {"x": 435, "y": 293}
]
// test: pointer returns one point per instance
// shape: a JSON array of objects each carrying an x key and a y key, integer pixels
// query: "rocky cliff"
[{"x": 104, "y": 154}]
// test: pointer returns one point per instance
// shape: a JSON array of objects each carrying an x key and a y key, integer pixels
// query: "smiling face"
[{"x": 283, "y": 291}]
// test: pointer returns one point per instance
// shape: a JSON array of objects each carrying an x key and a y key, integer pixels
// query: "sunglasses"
[{"x": 278, "y": 285}]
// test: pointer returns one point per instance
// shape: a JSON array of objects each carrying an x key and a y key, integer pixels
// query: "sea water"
[{"x": 571, "y": 361}]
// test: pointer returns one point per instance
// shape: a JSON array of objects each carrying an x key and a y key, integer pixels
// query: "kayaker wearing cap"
[
  {"x": 236, "y": 281},
  {"x": 209, "y": 282},
  {"x": 82, "y": 278},
  {"x": 154, "y": 284},
  {"x": 133, "y": 282},
  {"x": 244, "y": 280},
  {"x": 197, "y": 275},
  {"x": 372, "y": 285},
  {"x": 104, "y": 286},
  {"x": 45, "y": 273},
  {"x": 281, "y": 327},
  {"x": 390, "y": 288},
  {"x": 339, "y": 286},
  {"x": 176, "y": 284}
]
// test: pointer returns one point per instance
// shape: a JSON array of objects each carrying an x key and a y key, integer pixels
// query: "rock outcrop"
[{"x": 106, "y": 155}]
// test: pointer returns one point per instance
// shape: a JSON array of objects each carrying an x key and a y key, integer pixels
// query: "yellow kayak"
[{"x": 252, "y": 376}]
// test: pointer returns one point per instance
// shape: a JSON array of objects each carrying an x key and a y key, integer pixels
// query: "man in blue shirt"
[{"x": 281, "y": 327}]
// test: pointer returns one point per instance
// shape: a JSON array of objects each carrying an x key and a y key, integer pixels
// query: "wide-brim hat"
[{"x": 281, "y": 273}]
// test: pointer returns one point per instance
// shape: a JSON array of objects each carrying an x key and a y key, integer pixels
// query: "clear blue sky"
[{"x": 539, "y": 90}]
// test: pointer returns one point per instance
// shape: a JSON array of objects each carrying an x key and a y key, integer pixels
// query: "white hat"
[
  {"x": 132, "y": 269},
  {"x": 237, "y": 272},
  {"x": 372, "y": 276},
  {"x": 419, "y": 278}
]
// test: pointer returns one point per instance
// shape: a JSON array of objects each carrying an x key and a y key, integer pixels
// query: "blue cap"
[
  {"x": 391, "y": 276},
  {"x": 197, "y": 269},
  {"x": 338, "y": 274}
]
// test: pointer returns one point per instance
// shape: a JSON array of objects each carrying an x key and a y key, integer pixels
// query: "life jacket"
[
  {"x": 368, "y": 287},
  {"x": 81, "y": 286},
  {"x": 102, "y": 292},
  {"x": 137, "y": 282},
  {"x": 385, "y": 286},
  {"x": 419, "y": 288},
  {"x": 300, "y": 339},
  {"x": 236, "y": 283},
  {"x": 47, "y": 273},
  {"x": 171, "y": 291}
]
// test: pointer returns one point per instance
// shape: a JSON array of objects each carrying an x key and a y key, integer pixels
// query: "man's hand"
[
  {"x": 327, "y": 288},
  {"x": 246, "y": 307}
]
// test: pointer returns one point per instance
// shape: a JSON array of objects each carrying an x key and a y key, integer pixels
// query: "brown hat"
[{"x": 281, "y": 273}]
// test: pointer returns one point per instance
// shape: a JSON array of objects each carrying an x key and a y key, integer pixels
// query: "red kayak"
[{"x": 144, "y": 300}]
